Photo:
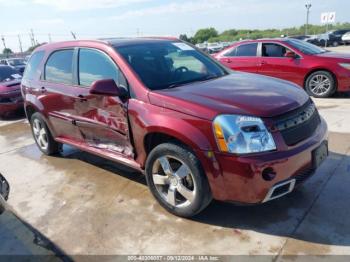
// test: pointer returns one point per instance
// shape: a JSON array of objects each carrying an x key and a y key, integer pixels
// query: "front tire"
[
  {"x": 176, "y": 179},
  {"x": 42, "y": 136},
  {"x": 320, "y": 84}
]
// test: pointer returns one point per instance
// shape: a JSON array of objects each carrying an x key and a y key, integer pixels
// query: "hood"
[
  {"x": 237, "y": 93},
  {"x": 335, "y": 55},
  {"x": 9, "y": 86}
]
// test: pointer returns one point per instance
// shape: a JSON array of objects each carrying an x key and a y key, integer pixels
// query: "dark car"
[
  {"x": 331, "y": 38},
  {"x": 11, "y": 100},
  {"x": 320, "y": 72},
  {"x": 17, "y": 63},
  {"x": 196, "y": 129}
]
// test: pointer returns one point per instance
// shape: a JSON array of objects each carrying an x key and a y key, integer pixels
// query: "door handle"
[
  {"x": 82, "y": 98},
  {"x": 228, "y": 61},
  {"x": 263, "y": 63}
]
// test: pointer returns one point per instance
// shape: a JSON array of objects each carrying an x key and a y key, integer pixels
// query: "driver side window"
[
  {"x": 273, "y": 50},
  {"x": 95, "y": 65}
]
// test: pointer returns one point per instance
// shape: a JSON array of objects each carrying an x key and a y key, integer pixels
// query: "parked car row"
[
  {"x": 212, "y": 48},
  {"x": 18, "y": 64},
  {"x": 197, "y": 130},
  {"x": 331, "y": 38},
  {"x": 320, "y": 72}
]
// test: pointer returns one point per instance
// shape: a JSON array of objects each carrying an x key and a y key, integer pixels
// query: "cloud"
[
  {"x": 54, "y": 21},
  {"x": 76, "y": 5},
  {"x": 203, "y": 6}
]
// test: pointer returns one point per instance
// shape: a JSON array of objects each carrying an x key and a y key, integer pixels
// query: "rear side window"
[
  {"x": 95, "y": 65},
  {"x": 58, "y": 68},
  {"x": 244, "y": 50},
  {"x": 33, "y": 65}
]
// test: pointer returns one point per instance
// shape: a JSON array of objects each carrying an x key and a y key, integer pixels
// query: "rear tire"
[
  {"x": 320, "y": 84},
  {"x": 42, "y": 136},
  {"x": 176, "y": 179}
]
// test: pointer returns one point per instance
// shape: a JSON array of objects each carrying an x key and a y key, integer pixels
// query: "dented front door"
[{"x": 103, "y": 123}]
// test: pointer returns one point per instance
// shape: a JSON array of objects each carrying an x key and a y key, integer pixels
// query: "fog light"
[{"x": 268, "y": 174}]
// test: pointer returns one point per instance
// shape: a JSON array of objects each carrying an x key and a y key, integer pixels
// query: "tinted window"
[
  {"x": 95, "y": 65},
  {"x": 247, "y": 50},
  {"x": 58, "y": 68},
  {"x": 244, "y": 50},
  {"x": 8, "y": 73},
  {"x": 273, "y": 50},
  {"x": 166, "y": 64},
  {"x": 33, "y": 64}
]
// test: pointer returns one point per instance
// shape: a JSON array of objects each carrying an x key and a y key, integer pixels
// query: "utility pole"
[
  {"x": 32, "y": 37},
  {"x": 50, "y": 40},
  {"x": 3, "y": 41},
  {"x": 20, "y": 43},
  {"x": 308, "y": 6}
]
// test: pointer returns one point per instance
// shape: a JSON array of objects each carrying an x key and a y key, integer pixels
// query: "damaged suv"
[{"x": 197, "y": 130}]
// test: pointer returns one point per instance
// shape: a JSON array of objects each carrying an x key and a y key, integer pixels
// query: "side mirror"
[
  {"x": 290, "y": 54},
  {"x": 4, "y": 188},
  {"x": 107, "y": 87}
]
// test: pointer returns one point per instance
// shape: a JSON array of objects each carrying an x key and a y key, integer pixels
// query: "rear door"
[
  {"x": 57, "y": 93},
  {"x": 274, "y": 63},
  {"x": 242, "y": 58},
  {"x": 102, "y": 120}
]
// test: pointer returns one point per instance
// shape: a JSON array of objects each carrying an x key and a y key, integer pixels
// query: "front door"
[
  {"x": 102, "y": 120},
  {"x": 274, "y": 63}
]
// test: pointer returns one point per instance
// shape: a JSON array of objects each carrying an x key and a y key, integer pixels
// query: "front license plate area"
[{"x": 320, "y": 154}]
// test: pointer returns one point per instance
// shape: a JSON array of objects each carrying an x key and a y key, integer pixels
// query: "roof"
[{"x": 118, "y": 42}]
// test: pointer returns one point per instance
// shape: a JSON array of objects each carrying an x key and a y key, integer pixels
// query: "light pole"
[{"x": 308, "y": 6}]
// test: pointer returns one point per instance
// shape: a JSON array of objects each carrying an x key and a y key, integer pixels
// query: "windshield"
[
  {"x": 16, "y": 62},
  {"x": 163, "y": 65},
  {"x": 7, "y": 74},
  {"x": 305, "y": 47}
]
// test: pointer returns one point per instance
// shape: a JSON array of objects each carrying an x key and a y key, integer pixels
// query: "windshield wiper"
[{"x": 208, "y": 77}]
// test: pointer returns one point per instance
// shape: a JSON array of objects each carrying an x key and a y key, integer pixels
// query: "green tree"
[
  {"x": 205, "y": 34},
  {"x": 184, "y": 38},
  {"x": 7, "y": 52}
]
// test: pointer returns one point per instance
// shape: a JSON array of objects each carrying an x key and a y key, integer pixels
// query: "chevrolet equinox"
[{"x": 197, "y": 130}]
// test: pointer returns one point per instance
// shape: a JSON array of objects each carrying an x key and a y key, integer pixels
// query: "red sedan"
[
  {"x": 319, "y": 71},
  {"x": 10, "y": 91}
]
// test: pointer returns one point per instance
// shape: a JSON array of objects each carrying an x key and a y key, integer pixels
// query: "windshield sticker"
[
  {"x": 183, "y": 46},
  {"x": 16, "y": 76}
]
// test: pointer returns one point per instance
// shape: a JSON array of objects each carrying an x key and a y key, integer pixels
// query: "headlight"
[
  {"x": 345, "y": 65},
  {"x": 242, "y": 134}
]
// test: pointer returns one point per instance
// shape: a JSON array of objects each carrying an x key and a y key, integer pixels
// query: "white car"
[
  {"x": 346, "y": 38},
  {"x": 214, "y": 47}
]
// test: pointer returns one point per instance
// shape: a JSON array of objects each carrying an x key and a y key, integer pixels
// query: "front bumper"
[
  {"x": 239, "y": 178},
  {"x": 7, "y": 108}
]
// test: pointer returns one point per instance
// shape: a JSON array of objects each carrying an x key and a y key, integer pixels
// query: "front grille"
[
  {"x": 303, "y": 175},
  {"x": 298, "y": 124}
]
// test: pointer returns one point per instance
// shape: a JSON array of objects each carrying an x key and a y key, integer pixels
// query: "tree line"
[{"x": 212, "y": 35}]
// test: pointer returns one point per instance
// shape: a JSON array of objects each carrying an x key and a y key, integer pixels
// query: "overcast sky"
[{"x": 104, "y": 18}]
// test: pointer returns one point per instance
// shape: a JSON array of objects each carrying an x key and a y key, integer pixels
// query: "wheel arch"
[{"x": 321, "y": 69}]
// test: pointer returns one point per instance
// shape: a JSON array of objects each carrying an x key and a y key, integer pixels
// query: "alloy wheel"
[
  {"x": 40, "y": 134},
  {"x": 174, "y": 181},
  {"x": 320, "y": 84}
]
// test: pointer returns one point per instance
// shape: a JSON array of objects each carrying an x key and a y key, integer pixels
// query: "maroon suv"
[{"x": 195, "y": 129}]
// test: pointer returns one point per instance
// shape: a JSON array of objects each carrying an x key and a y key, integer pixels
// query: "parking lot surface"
[{"x": 89, "y": 205}]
